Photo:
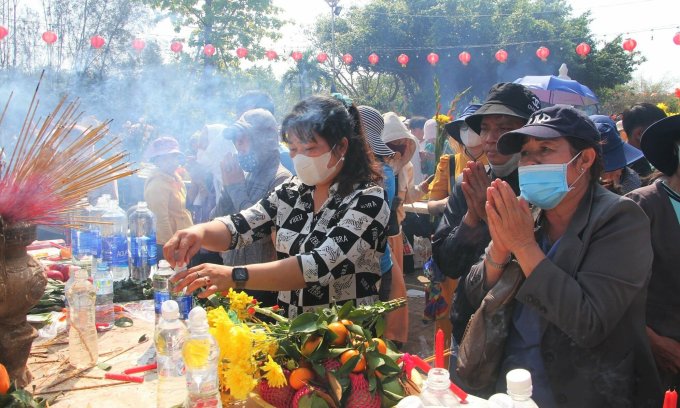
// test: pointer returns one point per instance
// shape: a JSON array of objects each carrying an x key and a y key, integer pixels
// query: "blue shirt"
[{"x": 390, "y": 188}]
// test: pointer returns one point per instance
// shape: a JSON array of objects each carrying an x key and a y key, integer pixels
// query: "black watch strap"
[{"x": 239, "y": 275}]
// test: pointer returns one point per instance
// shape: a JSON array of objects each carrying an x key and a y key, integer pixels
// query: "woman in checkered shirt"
[{"x": 329, "y": 220}]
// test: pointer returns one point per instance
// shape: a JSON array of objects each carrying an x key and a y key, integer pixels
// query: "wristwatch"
[{"x": 239, "y": 274}]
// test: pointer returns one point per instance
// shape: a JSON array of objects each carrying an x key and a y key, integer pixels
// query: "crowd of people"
[{"x": 581, "y": 214}]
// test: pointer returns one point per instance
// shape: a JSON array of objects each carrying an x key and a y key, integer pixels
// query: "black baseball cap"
[
  {"x": 550, "y": 123},
  {"x": 505, "y": 98},
  {"x": 453, "y": 128},
  {"x": 658, "y": 143},
  {"x": 616, "y": 154}
]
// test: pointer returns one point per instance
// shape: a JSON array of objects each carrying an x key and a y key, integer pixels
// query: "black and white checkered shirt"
[{"x": 338, "y": 248}]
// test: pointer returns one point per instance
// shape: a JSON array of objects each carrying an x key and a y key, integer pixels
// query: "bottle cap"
[
  {"x": 81, "y": 274},
  {"x": 170, "y": 310},
  {"x": 438, "y": 379},
  {"x": 198, "y": 319},
  {"x": 411, "y": 401},
  {"x": 141, "y": 205},
  {"x": 163, "y": 264},
  {"x": 501, "y": 401},
  {"x": 518, "y": 382}
]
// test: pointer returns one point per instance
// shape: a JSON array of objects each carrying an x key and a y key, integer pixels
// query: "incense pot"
[{"x": 22, "y": 284}]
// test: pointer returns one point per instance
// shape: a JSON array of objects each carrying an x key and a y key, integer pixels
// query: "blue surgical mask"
[
  {"x": 247, "y": 161},
  {"x": 545, "y": 185}
]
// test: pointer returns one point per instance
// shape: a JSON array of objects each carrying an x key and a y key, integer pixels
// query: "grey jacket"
[{"x": 591, "y": 300}]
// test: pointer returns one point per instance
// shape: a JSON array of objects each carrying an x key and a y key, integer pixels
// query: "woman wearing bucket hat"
[
  {"x": 661, "y": 201},
  {"x": 581, "y": 261},
  {"x": 617, "y": 155},
  {"x": 164, "y": 190}
]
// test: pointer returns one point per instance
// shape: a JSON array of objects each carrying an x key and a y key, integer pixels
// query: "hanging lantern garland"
[
  {"x": 676, "y": 38},
  {"x": 138, "y": 45},
  {"x": 432, "y": 58},
  {"x": 241, "y": 52},
  {"x": 464, "y": 58},
  {"x": 96, "y": 41},
  {"x": 629, "y": 45},
  {"x": 209, "y": 50},
  {"x": 403, "y": 60},
  {"x": 583, "y": 50},
  {"x": 501, "y": 56},
  {"x": 296, "y": 55},
  {"x": 542, "y": 53},
  {"x": 3, "y": 32},
  {"x": 373, "y": 59},
  {"x": 271, "y": 55},
  {"x": 347, "y": 59},
  {"x": 176, "y": 47},
  {"x": 49, "y": 37},
  {"x": 322, "y": 57}
]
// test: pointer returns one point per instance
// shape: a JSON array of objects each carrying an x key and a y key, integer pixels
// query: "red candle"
[
  {"x": 124, "y": 377},
  {"x": 140, "y": 369},
  {"x": 674, "y": 399},
  {"x": 439, "y": 349}
]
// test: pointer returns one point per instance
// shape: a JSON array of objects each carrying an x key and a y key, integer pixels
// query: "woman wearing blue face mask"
[
  {"x": 329, "y": 221},
  {"x": 577, "y": 321}
]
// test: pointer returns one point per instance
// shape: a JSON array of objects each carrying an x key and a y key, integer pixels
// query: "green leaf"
[
  {"x": 348, "y": 366},
  {"x": 304, "y": 323},
  {"x": 372, "y": 383},
  {"x": 380, "y": 326},
  {"x": 356, "y": 329},
  {"x": 104, "y": 366},
  {"x": 123, "y": 322},
  {"x": 345, "y": 309},
  {"x": 374, "y": 359}
]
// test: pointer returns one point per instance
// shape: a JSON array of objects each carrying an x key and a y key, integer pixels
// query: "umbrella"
[{"x": 554, "y": 90}]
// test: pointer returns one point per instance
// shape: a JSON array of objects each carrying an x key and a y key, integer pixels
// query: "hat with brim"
[
  {"x": 551, "y": 123},
  {"x": 615, "y": 153},
  {"x": 505, "y": 99},
  {"x": 163, "y": 146},
  {"x": 259, "y": 122},
  {"x": 373, "y": 124},
  {"x": 453, "y": 128},
  {"x": 658, "y": 143}
]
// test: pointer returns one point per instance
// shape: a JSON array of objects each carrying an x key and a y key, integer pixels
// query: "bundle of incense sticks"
[{"x": 55, "y": 163}]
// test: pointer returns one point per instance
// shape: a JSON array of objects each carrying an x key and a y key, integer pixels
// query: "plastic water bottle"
[
  {"x": 436, "y": 391},
  {"x": 82, "y": 335},
  {"x": 184, "y": 300},
  {"x": 103, "y": 282},
  {"x": 114, "y": 241},
  {"x": 201, "y": 353},
  {"x": 142, "y": 242},
  {"x": 95, "y": 228},
  {"x": 161, "y": 285},
  {"x": 519, "y": 386},
  {"x": 170, "y": 336}
]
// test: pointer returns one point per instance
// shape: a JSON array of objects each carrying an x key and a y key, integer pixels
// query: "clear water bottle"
[
  {"x": 114, "y": 241},
  {"x": 436, "y": 391},
  {"x": 520, "y": 388},
  {"x": 184, "y": 300},
  {"x": 169, "y": 339},
  {"x": 94, "y": 228},
  {"x": 82, "y": 335},
  {"x": 201, "y": 354},
  {"x": 142, "y": 242},
  {"x": 103, "y": 282},
  {"x": 161, "y": 285},
  {"x": 70, "y": 281}
]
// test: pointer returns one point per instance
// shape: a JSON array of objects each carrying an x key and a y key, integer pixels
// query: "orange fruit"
[
  {"x": 381, "y": 347},
  {"x": 341, "y": 331},
  {"x": 310, "y": 345},
  {"x": 300, "y": 377},
  {"x": 4, "y": 380},
  {"x": 346, "y": 322},
  {"x": 361, "y": 364}
]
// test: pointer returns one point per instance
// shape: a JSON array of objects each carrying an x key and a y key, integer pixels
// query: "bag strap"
[{"x": 452, "y": 172}]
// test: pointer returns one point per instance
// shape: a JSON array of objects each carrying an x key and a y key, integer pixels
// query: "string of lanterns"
[{"x": 543, "y": 52}]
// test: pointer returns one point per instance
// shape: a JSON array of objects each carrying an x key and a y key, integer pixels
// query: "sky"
[{"x": 634, "y": 18}]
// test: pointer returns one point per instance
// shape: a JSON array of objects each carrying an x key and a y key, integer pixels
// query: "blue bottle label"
[
  {"x": 143, "y": 250},
  {"x": 158, "y": 299},
  {"x": 114, "y": 250},
  {"x": 186, "y": 303}
]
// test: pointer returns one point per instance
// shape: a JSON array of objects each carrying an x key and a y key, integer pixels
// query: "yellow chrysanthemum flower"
[
  {"x": 274, "y": 373},
  {"x": 239, "y": 302},
  {"x": 240, "y": 383},
  {"x": 196, "y": 352},
  {"x": 442, "y": 119}
]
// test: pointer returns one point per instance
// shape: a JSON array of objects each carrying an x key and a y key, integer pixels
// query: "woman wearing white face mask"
[
  {"x": 329, "y": 220},
  {"x": 580, "y": 263},
  {"x": 451, "y": 166}
]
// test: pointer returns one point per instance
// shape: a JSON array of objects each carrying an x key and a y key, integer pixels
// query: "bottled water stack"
[{"x": 142, "y": 242}]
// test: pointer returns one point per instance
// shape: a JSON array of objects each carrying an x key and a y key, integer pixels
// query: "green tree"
[
  {"x": 480, "y": 27},
  {"x": 226, "y": 24}
]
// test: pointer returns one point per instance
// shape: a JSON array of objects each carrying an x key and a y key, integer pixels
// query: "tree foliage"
[
  {"x": 226, "y": 24},
  {"x": 481, "y": 27}
]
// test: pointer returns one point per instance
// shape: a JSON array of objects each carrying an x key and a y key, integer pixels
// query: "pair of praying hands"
[{"x": 509, "y": 218}]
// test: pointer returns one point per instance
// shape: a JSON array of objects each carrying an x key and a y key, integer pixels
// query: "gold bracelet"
[{"x": 496, "y": 265}]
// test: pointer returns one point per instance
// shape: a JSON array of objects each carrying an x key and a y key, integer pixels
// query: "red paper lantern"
[
  {"x": 677, "y": 92},
  {"x": 542, "y": 53},
  {"x": 176, "y": 47},
  {"x": 3, "y": 32},
  {"x": 464, "y": 57},
  {"x": 296, "y": 55},
  {"x": 676, "y": 37},
  {"x": 49, "y": 37},
  {"x": 347, "y": 59},
  {"x": 403, "y": 60},
  {"x": 241, "y": 52},
  {"x": 322, "y": 57},
  {"x": 373, "y": 58},
  {"x": 271, "y": 55},
  {"x": 583, "y": 50},
  {"x": 97, "y": 41},
  {"x": 138, "y": 44},
  {"x": 209, "y": 50},
  {"x": 629, "y": 45},
  {"x": 501, "y": 56},
  {"x": 432, "y": 58}
]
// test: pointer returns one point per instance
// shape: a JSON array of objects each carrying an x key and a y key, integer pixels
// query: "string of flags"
[{"x": 209, "y": 50}]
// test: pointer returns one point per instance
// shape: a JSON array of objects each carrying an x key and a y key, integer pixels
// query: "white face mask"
[
  {"x": 469, "y": 137},
  {"x": 313, "y": 170}
]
